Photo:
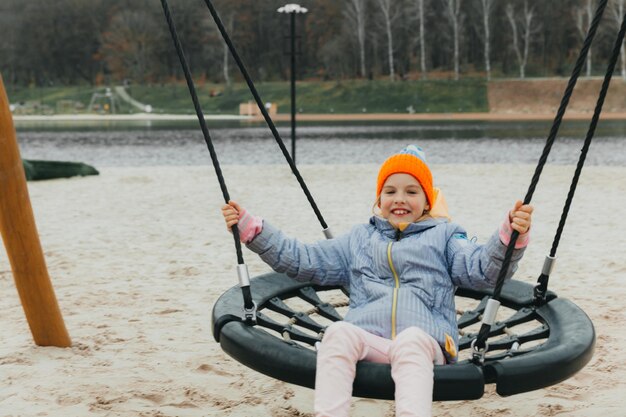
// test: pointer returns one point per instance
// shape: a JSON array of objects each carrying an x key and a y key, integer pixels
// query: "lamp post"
[{"x": 292, "y": 9}]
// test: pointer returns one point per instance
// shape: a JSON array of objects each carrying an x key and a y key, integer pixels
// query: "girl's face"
[{"x": 402, "y": 199}]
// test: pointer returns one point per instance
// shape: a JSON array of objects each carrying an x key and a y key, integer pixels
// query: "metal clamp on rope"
[
  {"x": 244, "y": 276},
  {"x": 548, "y": 265},
  {"x": 249, "y": 314},
  {"x": 489, "y": 316},
  {"x": 328, "y": 233}
]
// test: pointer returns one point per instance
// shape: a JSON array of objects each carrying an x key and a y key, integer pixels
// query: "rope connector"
[
  {"x": 488, "y": 320},
  {"x": 328, "y": 233},
  {"x": 539, "y": 293},
  {"x": 478, "y": 354},
  {"x": 541, "y": 289},
  {"x": 249, "y": 314}
]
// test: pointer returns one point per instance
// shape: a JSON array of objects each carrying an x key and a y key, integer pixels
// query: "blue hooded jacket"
[{"x": 396, "y": 279}]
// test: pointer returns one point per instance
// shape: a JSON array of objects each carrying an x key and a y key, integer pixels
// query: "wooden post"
[{"x": 21, "y": 240}]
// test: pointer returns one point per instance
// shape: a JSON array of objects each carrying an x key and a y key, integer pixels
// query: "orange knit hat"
[{"x": 410, "y": 160}]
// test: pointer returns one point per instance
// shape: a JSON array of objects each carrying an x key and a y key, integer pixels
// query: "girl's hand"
[
  {"x": 249, "y": 225},
  {"x": 521, "y": 217},
  {"x": 231, "y": 213}
]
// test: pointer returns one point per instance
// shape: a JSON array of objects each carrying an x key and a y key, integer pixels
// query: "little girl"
[{"x": 402, "y": 268}]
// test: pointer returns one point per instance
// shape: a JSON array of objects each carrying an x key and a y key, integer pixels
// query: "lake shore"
[
  {"x": 138, "y": 256},
  {"x": 322, "y": 117},
  {"x": 441, "y": 117}
]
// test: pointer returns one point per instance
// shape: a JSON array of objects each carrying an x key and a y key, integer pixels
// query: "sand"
[{"x": 138, "y": 256}]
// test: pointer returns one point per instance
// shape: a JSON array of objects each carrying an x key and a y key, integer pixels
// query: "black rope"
[
  {"x": 207, "y": 138},
  {"x": 483, "y": 334},
  {"x": 544, "y": 278},
  {"x": 590, "y": 133},
  {"x": 266, "y": 116}
]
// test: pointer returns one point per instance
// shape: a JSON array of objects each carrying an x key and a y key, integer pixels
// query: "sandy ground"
[{"x": 138, "y": 256}]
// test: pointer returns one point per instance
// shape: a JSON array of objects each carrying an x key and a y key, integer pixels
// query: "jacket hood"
[{"x": 387, "y": 229}]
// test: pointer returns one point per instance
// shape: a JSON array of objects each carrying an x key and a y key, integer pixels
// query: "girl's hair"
[{"x": 376, "y": 211}]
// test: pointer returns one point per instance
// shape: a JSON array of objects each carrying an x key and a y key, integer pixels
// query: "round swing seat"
[{"x": 556, "y": 339}]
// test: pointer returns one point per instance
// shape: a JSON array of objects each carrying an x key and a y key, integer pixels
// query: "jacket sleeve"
[
  {"x": 324, "y": 262},
  {"x": 471, "y": 265}
]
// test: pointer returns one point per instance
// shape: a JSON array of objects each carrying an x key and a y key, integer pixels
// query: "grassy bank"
[{"x": 312, "y": 97}]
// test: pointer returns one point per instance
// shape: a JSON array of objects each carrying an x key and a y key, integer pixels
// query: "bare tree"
[
  {"x": 389, "y": 14},
  {"x": 226, "y": 52},
  {"x": 486, "y": 7},
  {"x": 523, "y": 24},
  {"x": 453, "y": 13},
  {"x": 422, "y": 40},
  {"x": 355, "y": 13},
  {"x": 584, "y": 15},
  {"x": 617, "y": 7}
]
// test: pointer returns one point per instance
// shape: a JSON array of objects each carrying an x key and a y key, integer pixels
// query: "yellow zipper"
[{"x": 394, "y": 304}]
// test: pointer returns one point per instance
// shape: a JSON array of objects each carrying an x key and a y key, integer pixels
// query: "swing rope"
[
  {"x": 266, "y": 116},
  {"x": 542, "y": 281},
  {"x": 480, "y": 343},
  {"x": 244, "y": 280}
]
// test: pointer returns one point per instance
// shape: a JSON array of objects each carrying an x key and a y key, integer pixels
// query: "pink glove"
[
  {"x": 505, "y": 234},
  {"x": 249, "y": 226}
]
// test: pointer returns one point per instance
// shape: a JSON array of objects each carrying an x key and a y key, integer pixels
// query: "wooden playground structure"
[{"x": 21, "y": 240}]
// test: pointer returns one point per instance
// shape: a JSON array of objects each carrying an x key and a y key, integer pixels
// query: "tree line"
[{"x": 70, "y": 42}]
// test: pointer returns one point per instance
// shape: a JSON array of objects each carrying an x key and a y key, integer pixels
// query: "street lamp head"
[{"x": 292, "y": 8}]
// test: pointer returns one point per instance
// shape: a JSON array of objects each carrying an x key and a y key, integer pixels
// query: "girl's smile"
[{"x": 400, "y": 212}]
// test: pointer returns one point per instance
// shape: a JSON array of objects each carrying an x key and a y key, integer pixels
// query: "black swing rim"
[{"x": 568, "y": 349}]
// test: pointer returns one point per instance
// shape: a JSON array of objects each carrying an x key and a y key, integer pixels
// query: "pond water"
[{"x": 182, "y": 143}]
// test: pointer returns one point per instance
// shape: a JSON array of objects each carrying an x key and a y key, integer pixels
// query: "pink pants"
[{"x": 411, "y": 355}]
